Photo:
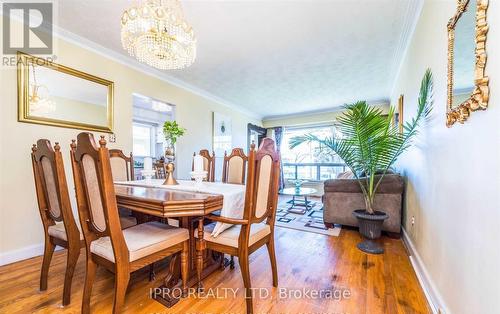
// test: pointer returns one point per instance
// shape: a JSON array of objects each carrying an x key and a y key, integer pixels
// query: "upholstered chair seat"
[
  {"x": 142, "y": 240},
  {"x": 59, "y": 232},
  {"x": 127, "y": 221},
  {"x": 230, "y": 236}
]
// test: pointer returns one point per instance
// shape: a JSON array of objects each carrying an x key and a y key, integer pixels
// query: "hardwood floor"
[{"x": 376, "y": 284}]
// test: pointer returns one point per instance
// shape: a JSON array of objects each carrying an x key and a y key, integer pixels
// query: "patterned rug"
[{"x": 311, "y": 221}]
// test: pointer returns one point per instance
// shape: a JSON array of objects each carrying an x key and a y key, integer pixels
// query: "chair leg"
[
  {"x": 245, "y": 273},
  {"x": 72, "y": 258},
  {"x": 272, "y": 257},
  {"x": 89, "y": 282},
  {"x": 184, "y": 267},
  {"x": 47, "y": 257},
  {"x": 222, "y": 261},
  {"x": 329, "y": 225},
  {"x": 121, "y": 283},
  {"x": 200, "y": 247},
  {"x": 231, "y": 263},
  {"x": 152, "y": 275}
]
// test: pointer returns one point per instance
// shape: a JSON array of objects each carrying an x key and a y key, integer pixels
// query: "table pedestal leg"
[
  {"x": 208, "y": 265},
  {"x": 164, "y": 294}
]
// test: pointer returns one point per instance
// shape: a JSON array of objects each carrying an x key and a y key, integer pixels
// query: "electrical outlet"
[
  {"x": 112, "y": 138},
  {"x": 412, "y": 220}
]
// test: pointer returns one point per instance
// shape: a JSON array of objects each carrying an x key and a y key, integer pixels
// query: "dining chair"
[
  {"x": 233, "y": 171},
  {"x": 234, "y": 166},
  {"x": 159, "y": 167},
  {"x": 208, "y": 164},
  {"x": 122, "y": 168},
  {"x": 59, "y": 224},
  {"x": 121, "y": 252},
  {"x": 256, "y": 228}
]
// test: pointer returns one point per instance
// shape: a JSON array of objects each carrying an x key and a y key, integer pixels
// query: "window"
[
  {"x": 309, "y": 161},
  {"x": 149, "y": 115},
  {"x": 142, "y": 138}
]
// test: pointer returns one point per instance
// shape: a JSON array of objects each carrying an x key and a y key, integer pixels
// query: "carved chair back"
[
  {"x": 261, "y": 196},
  {"x": 159, "y": 167},
  {"x": 208, "y": 164},
  {"x": 95, "y": 194},
  {"x": 122, "y": 166},
  {"x": 52, "y": 189},
  {"x": 234, "y": 167}
]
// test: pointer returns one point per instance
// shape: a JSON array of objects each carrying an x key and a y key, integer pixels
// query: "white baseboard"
[
  {"x": 430, "y": 290},
  {"x": 22, "y": 254}
]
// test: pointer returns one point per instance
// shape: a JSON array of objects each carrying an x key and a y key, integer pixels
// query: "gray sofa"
[{"x": 343, "y": 196}]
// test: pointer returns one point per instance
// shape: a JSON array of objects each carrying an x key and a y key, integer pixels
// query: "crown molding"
[
  {"x": 141, "y": 67},
  {"x": 411, "y": 17},
  {"x": 132, "y": 63},
  {"x": 378, "y": 102}
]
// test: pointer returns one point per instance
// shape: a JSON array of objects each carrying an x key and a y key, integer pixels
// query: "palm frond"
[{"x": 370, "y": 142}]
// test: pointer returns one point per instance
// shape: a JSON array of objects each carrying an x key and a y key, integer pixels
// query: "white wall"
[
  {"x": 21, "y": 232},
  {"x": 85, "y": 112},
  {"x": 313, "y": 118},
  {"x": 454, "y": 173}
]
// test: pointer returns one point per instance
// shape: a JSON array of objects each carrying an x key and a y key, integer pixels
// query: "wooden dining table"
[{"x": 185, "y": 206}]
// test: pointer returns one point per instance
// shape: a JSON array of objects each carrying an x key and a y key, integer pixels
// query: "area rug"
[{"x": 311, "y": 221}]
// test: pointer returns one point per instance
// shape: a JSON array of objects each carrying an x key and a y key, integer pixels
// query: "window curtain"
[{"x": 278, "y": 136}]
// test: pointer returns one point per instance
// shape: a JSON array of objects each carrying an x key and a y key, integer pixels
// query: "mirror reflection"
[
  {"x": 464, "y": 55},
  {"x": 53, "y": 94},
  {"x": 57, "y": 95}
]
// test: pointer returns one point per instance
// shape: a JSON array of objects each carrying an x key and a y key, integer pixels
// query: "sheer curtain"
[{"x": 277, "y": 135}]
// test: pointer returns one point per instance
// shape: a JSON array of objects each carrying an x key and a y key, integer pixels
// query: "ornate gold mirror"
[
  {"x": 467, "y": 84},
  {"x": 53, "y": 94}
]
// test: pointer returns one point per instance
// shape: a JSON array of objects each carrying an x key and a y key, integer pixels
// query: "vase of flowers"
[
  {"x": 172, "y": 131},
  {"x": 370, "y": 144}
]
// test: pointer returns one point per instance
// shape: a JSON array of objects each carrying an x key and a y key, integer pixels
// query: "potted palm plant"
[{"x": 370, "y": 145}]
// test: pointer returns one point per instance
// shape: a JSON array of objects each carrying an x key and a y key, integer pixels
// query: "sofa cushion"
[
  {"x": 345, "y": 175},
  {"x": 338, "y": 208},
  {"x": 391, "y": 183},
  {"x": 142, "y": 240}
]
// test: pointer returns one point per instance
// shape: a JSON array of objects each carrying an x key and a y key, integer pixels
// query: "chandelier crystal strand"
[
  {"x": 157, "y": 34},
  {"x": 39, "y": 98}
]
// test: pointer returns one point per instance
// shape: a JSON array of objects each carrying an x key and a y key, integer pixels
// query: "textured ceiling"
[{"x": 275, "y": 57}]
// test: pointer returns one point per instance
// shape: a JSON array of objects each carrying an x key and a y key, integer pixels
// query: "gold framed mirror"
[
  {"x": 468, "y": 89},
  {"x": 56, "y": 95}
]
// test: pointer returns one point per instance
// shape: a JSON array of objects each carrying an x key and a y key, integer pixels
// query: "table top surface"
[
  {"x": 160, "y": 195},
  {"x": 163, "y": 202},
  {"x": 299, "y": 192}
]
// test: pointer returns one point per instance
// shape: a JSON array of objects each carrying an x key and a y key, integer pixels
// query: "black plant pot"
[{"x": 370, "y": 227}]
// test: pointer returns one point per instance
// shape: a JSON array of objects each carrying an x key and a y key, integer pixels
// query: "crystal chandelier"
[
  {"x": 157, "y": 34},
  {"x": 39, "y": 98}
]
